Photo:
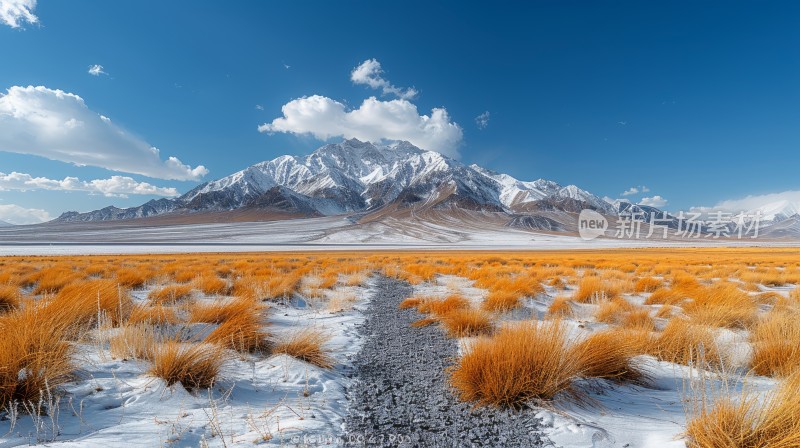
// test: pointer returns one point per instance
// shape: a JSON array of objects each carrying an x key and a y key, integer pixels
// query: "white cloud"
[
  {"x": 630, "y": 191},
  {"x": 655, "y": 201},
  {"x": 15, "y": 13},
  {"x": 259, "y": 107},
  {"x": 113, "y": 186},
  {"x": 58, "y": 125},
  {"x": 635, "y": 190},
  {"x": 369, "y": 73},
  {"x": 374, "y": 120},
  {"x": 14, "y": 214},
  {"x": 96, "y": 70},
  {"x": 753, "y": 202},
  {"x": 482, "y": 120}
]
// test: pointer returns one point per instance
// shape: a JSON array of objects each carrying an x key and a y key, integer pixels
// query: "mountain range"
[
  {"x": 371, "y": 182},
  {"x": 363, "y": 178}
]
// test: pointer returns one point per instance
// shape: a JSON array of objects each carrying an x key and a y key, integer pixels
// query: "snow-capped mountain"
[
  {"x": 357, "y": 177},
  {"x": 778, "y": 211}
]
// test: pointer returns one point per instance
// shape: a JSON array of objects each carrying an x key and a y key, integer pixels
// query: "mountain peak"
[{"x": 358, "y": 176}]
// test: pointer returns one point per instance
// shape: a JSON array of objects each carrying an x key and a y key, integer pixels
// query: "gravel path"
[{"x": 401, "y": 396}]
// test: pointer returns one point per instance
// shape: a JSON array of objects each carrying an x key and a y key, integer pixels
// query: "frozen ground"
[
  {"x": 619, "y": 415},
  {"x": 272, "y": 401},
  {"x": 329, "y": 233}
]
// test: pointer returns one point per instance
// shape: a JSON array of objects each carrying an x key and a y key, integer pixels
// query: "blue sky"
[{"x": 697, "y": 101}]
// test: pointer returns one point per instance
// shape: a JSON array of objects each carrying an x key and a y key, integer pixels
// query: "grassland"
[{"x": 535, "y": 326}]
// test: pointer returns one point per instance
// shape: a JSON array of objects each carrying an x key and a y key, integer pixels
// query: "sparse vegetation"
[
  {"x": 195, "y": 366},
  {"x": 528, "y": 361},
  {"x": 307, "y": 345}
]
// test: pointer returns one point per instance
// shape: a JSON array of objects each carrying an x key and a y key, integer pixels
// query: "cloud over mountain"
[
  {"x": 374, "y": 120},
  {"x": 370, "y": 73}
]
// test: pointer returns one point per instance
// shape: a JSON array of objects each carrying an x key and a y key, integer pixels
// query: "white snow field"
[
  {"x": 621, "y": 415},
  {"x": 325, "y": 233},
  {"x": 273, "y": 401}
]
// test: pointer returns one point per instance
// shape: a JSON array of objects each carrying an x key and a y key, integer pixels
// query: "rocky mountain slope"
[
  {"x": 369, "y": 183},
  {"x": 361, "y": 178}
]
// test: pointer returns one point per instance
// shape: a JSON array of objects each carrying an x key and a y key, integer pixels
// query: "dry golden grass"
[
  {"x": 595, "y": 289},
  {"x": 170, "y": 294},
  {"x": 722, "y": 305},
  {"x": 776, "y": 344},
  {"x": 35, "y": 356},
  {"x": 411, "y": 302},
  {"x": 467, "y": 322},
  {"x": 683, "y": 342},
  {"x": 647, "y": 284},
  {"x": 613, "y": 311},
  {"x": 424, "y": 322},
  {"x": 747, "y": 422},
  {"x": 212, "y": 285},
  {"x": 525, "y": 362},
  {"x": 50, "y": 281},
  {"x": 306, "y": 345},
  {"x": 561, "y": 307},
  {"x": 153, "y": 314},
  {"x": 355, "y": 279},
  {"x": 665, "y": 296},
  {"x": 502, "y": 301},
  {"x": 220, "y": 312},
  {"x": 195, "y": 366},
  {"x": 639, "y": 319},
  {"x": 665, "y": 312},
  {"x": 609, "y": 355},
  {"x": 9, "y": 298},
  {"x": 184, "y": 276},
  {"x": 242, "y": 332},
  {"x": 557, "y": 283},
  {"x": 444, "y": 306},
  {"x": 769, "y": 298},
  {"x": 134, "y": 342},
  {"x": 133, "y": 278},
  {"x": 339, "y": 301},
  {"x": 85, "y": 302},
  {"x": 694, "y": 284}
]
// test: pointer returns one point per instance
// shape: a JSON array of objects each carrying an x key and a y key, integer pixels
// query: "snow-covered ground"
[
  {"x": 272, "y": 401},
  {"x": 328, "y": 233},
  {"x": 619, "y": 415}
]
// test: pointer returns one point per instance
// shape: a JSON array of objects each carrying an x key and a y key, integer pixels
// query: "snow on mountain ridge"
[{"x": 360, "y": 176}]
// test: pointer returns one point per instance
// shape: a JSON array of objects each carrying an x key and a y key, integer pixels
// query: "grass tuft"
[
  {"x": 519, "y": 363},
  {"x": 195, "y": 366},
  {"x": 306, "y": 345},
  {"x": 467, "y": 322}
]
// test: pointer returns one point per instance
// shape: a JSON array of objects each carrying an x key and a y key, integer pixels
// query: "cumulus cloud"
[
  {"x": 370, "y": 73},
  {"x": 482, "y": 120},
  {"x": 58, "y": 125},
  {"x": 96, "y": 70},
  {"x": 15, "y": 13},
  {"x": 635, "y": 190},
  {"x": 654, "y": 201},
  {"x": 120, "y": 186},
  {"x": 753, "y": 202},
  {"x": 14, "y": 214},
  {"x": 374, "y": 120}
]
